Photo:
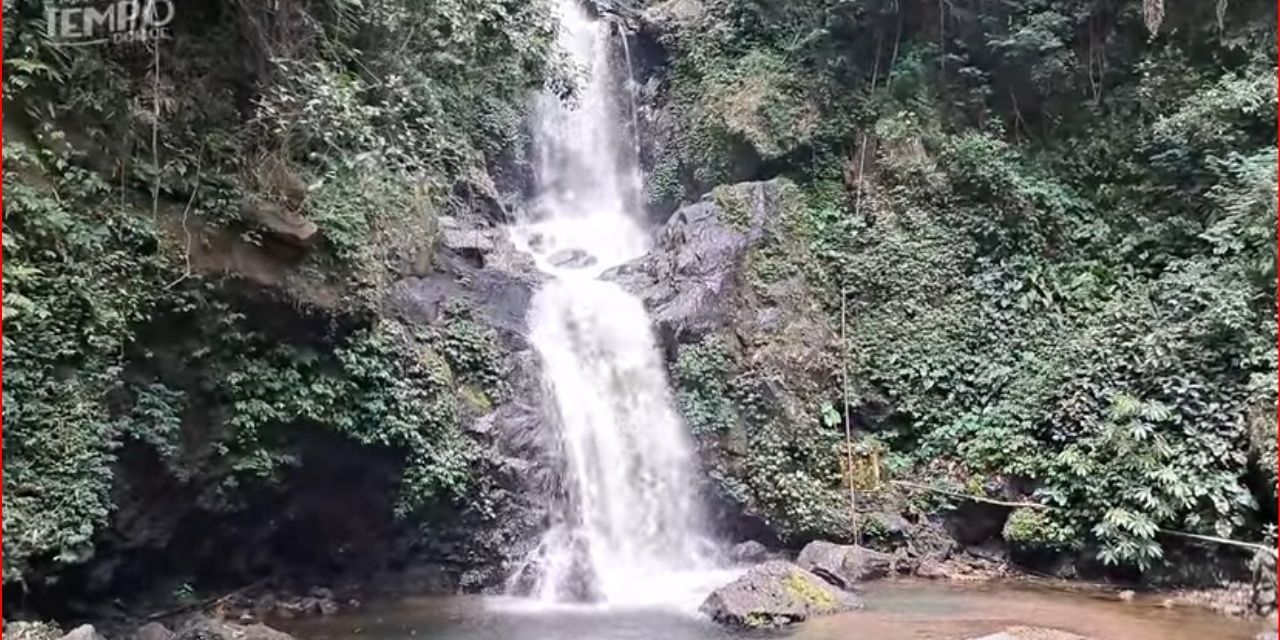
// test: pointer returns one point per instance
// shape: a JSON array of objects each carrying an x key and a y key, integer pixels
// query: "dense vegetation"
[
  {"x": 198, "y": 239},
  {"x": 1053, "y": 227}
]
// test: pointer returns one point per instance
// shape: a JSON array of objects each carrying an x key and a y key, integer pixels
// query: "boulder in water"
[
  {"x": 211, "y": 629},
  {"x": 153, "y": 631},
  {"x": 572, "y": 259},
  {"x": 748, "y": 552},
  {"x": 1032, "y": 633},
  {"x": 775, "y": 594},
  {"x": 845, "y": 565}
]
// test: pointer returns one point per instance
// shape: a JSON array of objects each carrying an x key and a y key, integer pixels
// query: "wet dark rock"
[
  {"x": 973, "y": 523},
  {"x": 264, "y": 605},
  {"x": 478, "y": 267},
  {"x": 749, "y": 551},
  {"x": 691, "y": 273},
  {"x": 572, "y": 259},
  {"x": 846, "y": 565},
  {"x": 990, "y": 551},
  {"x": 425, "y": 578},
  {"x": 326, "y": 607},
  {"x": 153, "y": 631},
  {"x": 891, "y": 525},
  {"x": 931, "y": 569},
  {"x": 775, "y": 594}
]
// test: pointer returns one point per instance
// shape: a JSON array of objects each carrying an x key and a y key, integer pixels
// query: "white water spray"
[{"x": 631, "y": 531}]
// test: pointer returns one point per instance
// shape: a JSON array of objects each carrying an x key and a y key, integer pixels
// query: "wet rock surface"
[
  {"x": 153, "y": 631},
  {"x": 572, "y": 259},
  {"x": 846, "y": 565},
  {"x": 775, "y": 594},
  {"x": 687, "y": 278},
  {"x": 747, "y": 552},
  {"x": 212, "y": 629}
]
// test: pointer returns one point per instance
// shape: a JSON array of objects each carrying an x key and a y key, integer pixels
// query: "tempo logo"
[{"x": 90, "y": 22}]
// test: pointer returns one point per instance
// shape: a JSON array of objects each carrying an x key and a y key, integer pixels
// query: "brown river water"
[{"x": 894, "y": 611}]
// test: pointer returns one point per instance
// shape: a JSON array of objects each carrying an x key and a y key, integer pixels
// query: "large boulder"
[
  {"x": 748, "y": 552},
  {"x": 1032, "y": 633},
  {"x": 475, "y": 266},
  {"x": 153, "y": 631},
  {"x": 691, "y": 273},
  {"x": 733, "y": 261},
  {"x": 212, "y": 629},
  {"x": 83, "y": 632},
  {"x": 573, "y": 258},
  {"x": 845, "y": 565},
  {"x": 775, "y": 594}
]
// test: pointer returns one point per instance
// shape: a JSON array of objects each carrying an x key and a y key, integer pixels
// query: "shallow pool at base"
[{"x": 894, "y": 611}]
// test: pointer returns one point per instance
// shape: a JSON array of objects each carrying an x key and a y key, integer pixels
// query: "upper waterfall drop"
[{"x": 631, "y": 531}]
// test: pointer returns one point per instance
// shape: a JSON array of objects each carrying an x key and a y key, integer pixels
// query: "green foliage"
[
  {"x": 389, "y": 386},
  {"x": 1058, "y": 255},
  {"x": 125, "y": 189},
  {"x": 1031, "y": 528},
  {"x": 76, "y": 282},
  {"x": 758, "y": 456},
  {"x": 702, "y": 387}
]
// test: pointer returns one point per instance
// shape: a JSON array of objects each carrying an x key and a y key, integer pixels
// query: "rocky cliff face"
[
  {"x": 328, "y": 514},
  {"x": 733, "y": 298}
]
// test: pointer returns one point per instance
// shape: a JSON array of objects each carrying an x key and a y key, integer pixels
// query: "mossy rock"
[
  {"x": 475, "y": 399},
  {"x": 775, "y": 594}
]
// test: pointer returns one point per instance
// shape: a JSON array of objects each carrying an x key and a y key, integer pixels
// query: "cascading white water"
[{"x": 631, "y": 531}]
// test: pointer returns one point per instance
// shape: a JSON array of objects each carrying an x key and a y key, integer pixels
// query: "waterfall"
[
  {"x": 631, "y": 90},
  {"x": 630, "y": 530}
]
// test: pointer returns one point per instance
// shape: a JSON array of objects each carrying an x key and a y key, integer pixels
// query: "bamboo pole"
[
  {"x": 848, "y": 429},
  {"x": 1035, "y": 505}
]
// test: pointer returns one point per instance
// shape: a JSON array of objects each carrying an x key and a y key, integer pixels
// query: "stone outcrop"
[
  {"x": 153, "y": 631},
  {"x": 705, "y": 272},
  {"x": 775, "y": 594},
  {"x": 846, "y": 565},
  {"x": 473, "y": 265},
  {"x": 83, "y": 632},
  {"x": 211, "y": 629},
  {"x": 732, "y": 273},
  {"x": 748, "y": 552},
  {"x": 1032, "y": 633},
  {"x": 691, "y": 274}
]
